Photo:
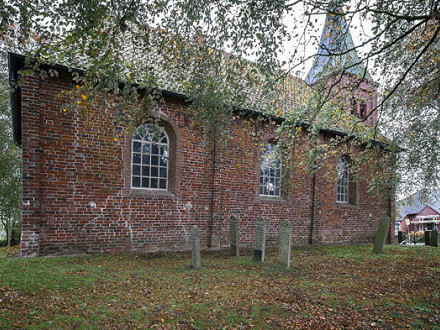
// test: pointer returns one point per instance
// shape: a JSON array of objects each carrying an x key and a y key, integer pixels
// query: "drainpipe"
[
  {"x": 212, "y": 206},
  {"x": 312, "y": 206},
  {"x": 312, "y": 211}
]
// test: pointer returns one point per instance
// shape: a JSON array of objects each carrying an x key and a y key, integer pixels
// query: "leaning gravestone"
[
  {"x": 195, "y": 243},
  {"x": 427, "y": 236},
  {"x": 260, "y": 239},
  {"x": 434, "y": 238},
  {"x": 285, "y": 243},
  {"x": 381, "y": 235},
  {"x": 235, "y": 237}
]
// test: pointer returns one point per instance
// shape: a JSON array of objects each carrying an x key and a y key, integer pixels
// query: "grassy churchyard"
[{"x": 342, "y": 287}]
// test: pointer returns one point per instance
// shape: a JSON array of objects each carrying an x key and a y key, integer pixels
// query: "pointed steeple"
[{"x": 336, "y": 39}]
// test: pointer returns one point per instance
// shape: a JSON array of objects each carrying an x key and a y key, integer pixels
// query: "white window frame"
[
  {"x": 270, "y": 172},
  {"x": 148, "y": 143},
  {"x": 343, "y": 182}
]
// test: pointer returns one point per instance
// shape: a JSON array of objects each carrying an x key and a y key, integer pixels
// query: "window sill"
[
  {"x": 339, "y": 204},
  {"x": 270, "y": 199},
  {"x": 151, "y": 194}
]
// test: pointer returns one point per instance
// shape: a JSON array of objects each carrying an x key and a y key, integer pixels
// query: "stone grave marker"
[
  {"x": 381, "y": 235},
  {"x": 260, "y": 239},
  {"x": 195, "y": 244},
  {"x": 434, "y": 238},
  {"x": 235, "y": 236},
  {"x": 285, "y": 243}
]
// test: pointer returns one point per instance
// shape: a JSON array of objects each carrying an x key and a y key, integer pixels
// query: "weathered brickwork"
[{"x": 77, "y": 196}]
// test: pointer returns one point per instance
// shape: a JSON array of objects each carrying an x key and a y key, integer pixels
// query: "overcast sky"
[{"x": 360, "y": 31}]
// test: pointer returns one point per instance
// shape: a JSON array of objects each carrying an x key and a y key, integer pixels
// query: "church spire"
[{"x": 336, "y": 39}]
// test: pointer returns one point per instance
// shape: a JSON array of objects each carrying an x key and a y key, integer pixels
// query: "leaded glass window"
[
  {"x": 150, "y": 158},
  {"x": 343, "y": 181},
  {"x": 270, "y": 175}
]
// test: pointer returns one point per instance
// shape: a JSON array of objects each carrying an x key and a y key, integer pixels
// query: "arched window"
[
  {"x": 270, "y": 175},
  {"x": 342, "y": 195},
  {"x": 150, "y": 158}
]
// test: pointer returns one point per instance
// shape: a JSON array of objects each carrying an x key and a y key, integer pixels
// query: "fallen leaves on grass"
[{"x": 327, "y": 287}]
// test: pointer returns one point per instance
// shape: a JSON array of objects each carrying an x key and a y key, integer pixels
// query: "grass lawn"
[{"x": 342, "y": 287}]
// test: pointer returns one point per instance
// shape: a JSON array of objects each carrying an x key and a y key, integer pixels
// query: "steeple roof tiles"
[{"x": 336, "y": 51}]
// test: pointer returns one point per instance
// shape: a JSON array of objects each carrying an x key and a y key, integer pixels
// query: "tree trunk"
[
  {"x": 8, "y": 233},
  {"x": 6, "y": 224}
]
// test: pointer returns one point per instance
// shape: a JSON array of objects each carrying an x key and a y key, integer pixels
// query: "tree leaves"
[
  {"x": 10, "y": 173},
  {"x": 202, "y": 49}
]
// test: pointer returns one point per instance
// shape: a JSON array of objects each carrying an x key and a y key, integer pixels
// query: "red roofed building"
[{"x": 426, "y": 219}]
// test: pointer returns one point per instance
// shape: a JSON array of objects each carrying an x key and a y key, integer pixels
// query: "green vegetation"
[
  {"x": 199, "y": 49},
  {"x": 10, "y": 174},
  {"x": 326, "y": 286}
]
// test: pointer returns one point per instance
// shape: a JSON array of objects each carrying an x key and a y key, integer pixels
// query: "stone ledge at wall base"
[{"x": 181, "y": 247}]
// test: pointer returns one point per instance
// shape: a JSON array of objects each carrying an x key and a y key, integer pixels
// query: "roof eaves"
[{"x": 16, "y": 62}]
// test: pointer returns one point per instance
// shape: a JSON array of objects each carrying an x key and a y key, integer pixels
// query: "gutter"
[{"x": 17, "y": 62}]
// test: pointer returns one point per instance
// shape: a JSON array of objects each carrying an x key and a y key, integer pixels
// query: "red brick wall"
[{"x": 70, "y": 161}]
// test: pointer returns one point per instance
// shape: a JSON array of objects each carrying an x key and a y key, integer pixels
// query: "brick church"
[{"x": 84, "y": 192}]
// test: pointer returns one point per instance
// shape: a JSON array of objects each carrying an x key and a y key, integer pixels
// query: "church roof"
[
  {"x": 336, "y": 39},
  {"x": 17, "y": 62}
]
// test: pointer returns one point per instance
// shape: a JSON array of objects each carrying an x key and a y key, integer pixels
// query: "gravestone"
[
  {"x": 285, "y": 243},
  {"x": 235, "y": 236},
  {"x": 434, "y": 238},
  {"x": 381, "y": 235},
  {"x": 260, "y": 239},
  {"x": 400, "y": 236},
  {"x": 195, "y": 244},
  {"x": 427, "y": 236}
]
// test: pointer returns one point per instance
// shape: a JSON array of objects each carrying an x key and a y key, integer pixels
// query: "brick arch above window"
[{"x": 173, "y": 158}]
